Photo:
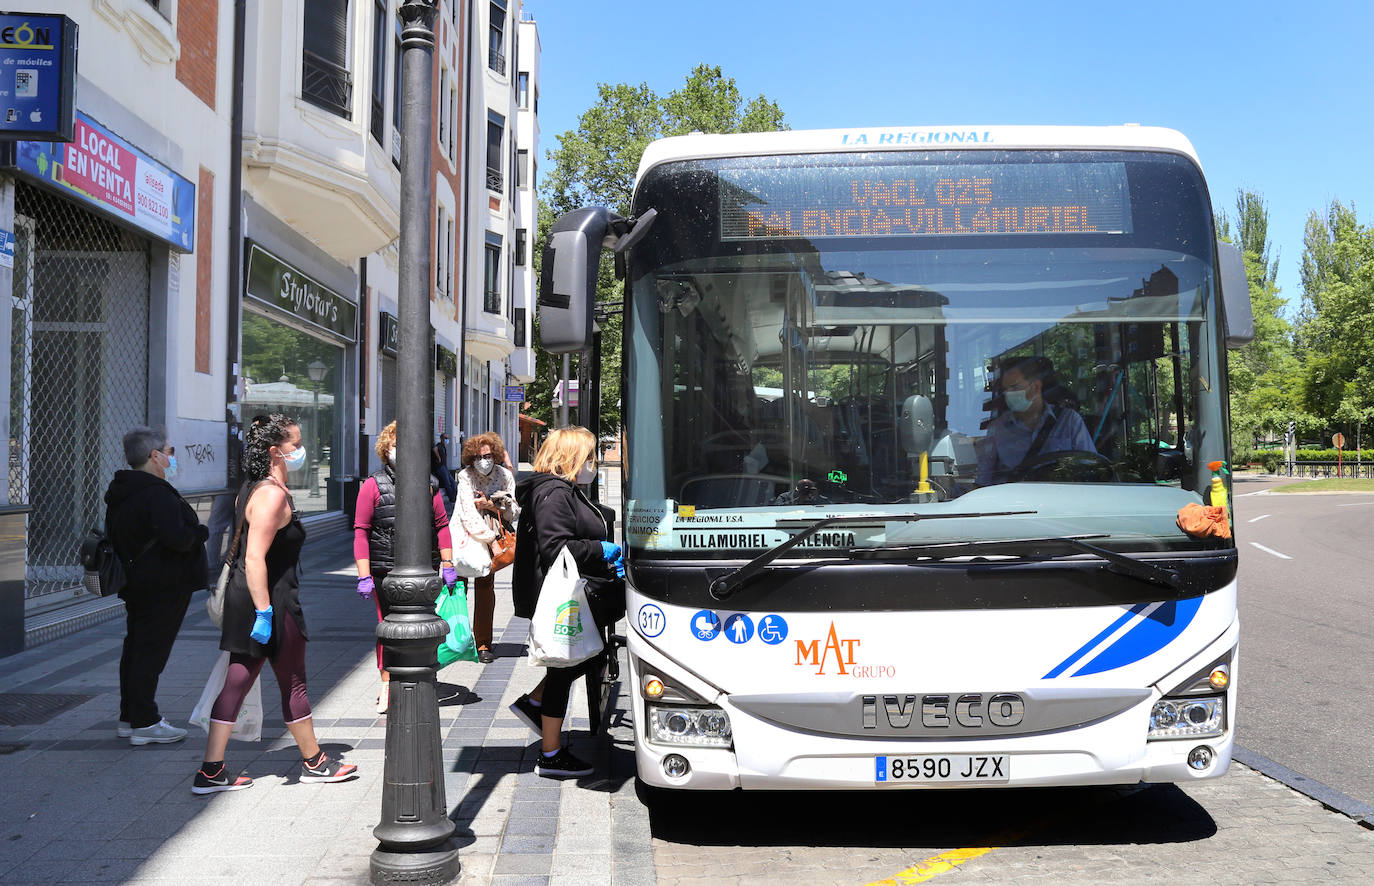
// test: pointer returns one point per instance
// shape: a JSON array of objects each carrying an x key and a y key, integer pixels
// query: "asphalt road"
[{"x": 1307, "y": 633}]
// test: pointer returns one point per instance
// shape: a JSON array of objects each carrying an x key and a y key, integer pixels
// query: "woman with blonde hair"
[
  {"x": 374, "y": 526},
  {"x": 484, "y": 487},
  {"x": 559, "y": 515}
]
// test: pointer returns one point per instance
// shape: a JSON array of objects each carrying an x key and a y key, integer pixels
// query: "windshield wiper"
[
  {"x": 729, "y": 583},
  {"x": 1141, "y": 569}
]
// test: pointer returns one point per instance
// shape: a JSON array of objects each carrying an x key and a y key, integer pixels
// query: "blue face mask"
[
  {"x": 171, "y": 470},
  {"x": 1017, "y": 401},
  {"x": 295, "y": 459}
]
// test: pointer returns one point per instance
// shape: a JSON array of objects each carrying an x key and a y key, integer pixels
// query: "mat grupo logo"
[{"x": 567, "y": 621}]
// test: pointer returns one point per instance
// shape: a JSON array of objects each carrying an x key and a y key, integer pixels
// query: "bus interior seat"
[{"x": 732, "y": 490}]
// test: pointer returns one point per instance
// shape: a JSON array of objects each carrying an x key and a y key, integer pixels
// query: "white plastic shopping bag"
[
  {"x": 471, "y": 559},
  {"x": 562, "y": 632},
  {"x": 248, "y": 726}
]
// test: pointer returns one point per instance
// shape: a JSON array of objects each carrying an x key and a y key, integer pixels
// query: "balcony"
[
  {"x": 496, "y": 60},
  {"x": 495, "y": 180},
  {"x": 327, "y": 85}
]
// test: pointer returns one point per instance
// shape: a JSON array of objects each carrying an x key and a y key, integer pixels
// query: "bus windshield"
[{"x": 1027, "y": 333}]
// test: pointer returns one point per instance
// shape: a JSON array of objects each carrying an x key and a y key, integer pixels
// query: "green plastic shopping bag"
[{"x": 452, "y": 607}]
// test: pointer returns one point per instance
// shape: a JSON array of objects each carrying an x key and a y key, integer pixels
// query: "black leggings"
[
  {"x": 558, "y": 686},
  {"x": 289, "y": 666}
]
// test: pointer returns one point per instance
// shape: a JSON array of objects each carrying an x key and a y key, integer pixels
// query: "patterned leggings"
[{"x": 289, "y": 666}]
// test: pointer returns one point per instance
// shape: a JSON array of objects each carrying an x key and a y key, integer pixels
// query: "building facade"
[{"x": 268, "y": 281}]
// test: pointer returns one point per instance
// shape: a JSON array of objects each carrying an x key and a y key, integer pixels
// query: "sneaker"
[
  {"x": 204, "y": 784},
  {"x": 528, "y": 713},
  {"x": 160, "y": 732},
  {"x": 561, "y": 765},
  {"x": 124, "y": 730},
  {"x": 327, "y": 769}
]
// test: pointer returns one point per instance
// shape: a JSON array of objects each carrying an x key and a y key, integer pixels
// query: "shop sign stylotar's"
[{"x": 274, "y": 282}]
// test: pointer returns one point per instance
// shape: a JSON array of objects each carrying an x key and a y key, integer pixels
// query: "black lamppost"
[
  {"x": 415, "y": 830},
  {"x": 316, "y": 370}
]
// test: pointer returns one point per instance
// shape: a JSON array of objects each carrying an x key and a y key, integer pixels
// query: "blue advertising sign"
[
  {"x": 103, "y": 170},
  {"x": 513, "y": 393},
  {"x": 37, "y": 76}
]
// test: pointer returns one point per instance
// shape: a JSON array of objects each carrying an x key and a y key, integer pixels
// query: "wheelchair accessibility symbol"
[{"x": 772, "y": 629}]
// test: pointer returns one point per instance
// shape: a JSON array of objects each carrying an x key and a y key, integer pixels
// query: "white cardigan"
[{"x": 471, "y": 482}]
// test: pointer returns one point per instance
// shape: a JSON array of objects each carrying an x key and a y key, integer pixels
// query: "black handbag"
[{"x": 103, "y": 565}]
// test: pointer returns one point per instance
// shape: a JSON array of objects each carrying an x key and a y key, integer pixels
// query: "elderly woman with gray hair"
[{"x": 162, "y": 544}]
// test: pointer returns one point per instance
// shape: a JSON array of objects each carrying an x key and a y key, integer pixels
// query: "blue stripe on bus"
[
  {"x": 1083, "y": 650},
  {"x": 1148, "y": 637}
]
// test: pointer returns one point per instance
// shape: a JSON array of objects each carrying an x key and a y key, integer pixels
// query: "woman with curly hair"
[
  {"x": 374, "y": 526},
  {"x": 263, "y": 620},
  {"x": 484, "y": 487}
]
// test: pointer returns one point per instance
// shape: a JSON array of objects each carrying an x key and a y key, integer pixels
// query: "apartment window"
[
  {"x": 443, "y": 254},
  {"x": 522, "y": 90},
  {"x": 522, "y": 169},
  {"x": 453, "y": 122},
  {"x": 396, "y": 93},
  {"x": 378, "y": 120},
  {"x": 491, "y": 275},
  {"x": 443, "y": 107},
  {"x": 520, "y": 246},
  {"x": 519, "y": 327},
  {"x": 325, "y": 79},
  {"x": 496, "y": 128},
  {"x": 496, "y": 38}
]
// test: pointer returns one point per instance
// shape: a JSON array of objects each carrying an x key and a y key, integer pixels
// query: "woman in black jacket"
[
  {"x": 556, "y": 514},
  {"x": 162, "y": 543}
]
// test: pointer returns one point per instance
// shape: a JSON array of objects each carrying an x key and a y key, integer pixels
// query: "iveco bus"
[{"x": 911, "y": 416}]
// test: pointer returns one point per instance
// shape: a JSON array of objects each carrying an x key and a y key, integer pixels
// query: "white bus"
[{"x": 910, "y": 417}]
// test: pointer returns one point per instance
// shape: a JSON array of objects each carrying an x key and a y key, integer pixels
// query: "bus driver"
[{"x": 1031, "y": 426}]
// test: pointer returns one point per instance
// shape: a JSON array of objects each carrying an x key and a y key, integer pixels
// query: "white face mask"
[
  {"x": 587, "y": 474},
  {"x": 295, "y": 459},
  {"x": 484, "y": 465},
  {"x": 392, "y": 455},
  {"x": 1017, "y": 401}
]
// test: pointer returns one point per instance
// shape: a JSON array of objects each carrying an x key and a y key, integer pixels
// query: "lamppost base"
[{"x": 435, "y": 866}]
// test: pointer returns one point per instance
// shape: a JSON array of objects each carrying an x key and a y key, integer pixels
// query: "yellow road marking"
[{"x": 934, "y": 866}]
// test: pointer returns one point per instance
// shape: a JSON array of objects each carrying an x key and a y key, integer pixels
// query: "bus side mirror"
[
  {"x": 916, "y": 425},
  {"x": 567, "y": 282},
  {"x": 1235, "y": 296}
]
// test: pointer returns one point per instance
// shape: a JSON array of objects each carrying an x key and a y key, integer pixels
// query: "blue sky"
[{"x": 1277, "y": 98}]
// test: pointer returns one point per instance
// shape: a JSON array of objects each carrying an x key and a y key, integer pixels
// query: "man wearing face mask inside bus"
[
  {"x": 484, "y": 488},
  {"x": 1031, "y": 426}
]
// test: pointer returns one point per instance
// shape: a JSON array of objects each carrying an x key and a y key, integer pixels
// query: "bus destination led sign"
[{"x": 925, "y": 201}]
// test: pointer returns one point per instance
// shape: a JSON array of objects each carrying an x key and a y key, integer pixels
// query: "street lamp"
[
  {"x": 415, "y": 832},
  {"x": 316, "y": 370}
]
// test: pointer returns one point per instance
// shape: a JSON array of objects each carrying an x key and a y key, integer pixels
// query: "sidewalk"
[{"x": 84, "y": 806}]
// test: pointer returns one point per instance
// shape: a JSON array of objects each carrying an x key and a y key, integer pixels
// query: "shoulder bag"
[
  {"x": 214, "y": 603},
  {"x": 503, "y": 546}
]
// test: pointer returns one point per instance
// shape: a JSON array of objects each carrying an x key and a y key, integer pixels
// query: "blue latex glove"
[
  {"x": 262, "y": 625},
  {"x": 619, "y": 567},
  {"x": 450, "y": 576},
  {"x": 610, "y": 552},
  {"x": 366, "y": 586}
]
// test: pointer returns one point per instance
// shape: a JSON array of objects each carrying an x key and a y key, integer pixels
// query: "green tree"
[
  {"x": 1263, "y": 374},
  {"x": 595, "y": 165},
  {"x": 1337, "y": 323}
]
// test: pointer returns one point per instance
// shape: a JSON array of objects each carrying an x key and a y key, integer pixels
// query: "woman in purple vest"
[{"x": 374, "y": 523}]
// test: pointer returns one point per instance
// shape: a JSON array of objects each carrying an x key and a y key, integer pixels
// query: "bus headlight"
[
  {"x": 1188, "y": 718},
  {"x": 695, "y": 726}
]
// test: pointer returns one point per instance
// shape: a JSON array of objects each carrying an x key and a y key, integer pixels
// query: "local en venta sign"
[{"x": 276, "y": 283}]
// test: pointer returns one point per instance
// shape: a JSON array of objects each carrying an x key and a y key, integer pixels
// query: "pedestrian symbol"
[
  {"x": 739, "y": 628},
  {"x": 772, "y": 629}
]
